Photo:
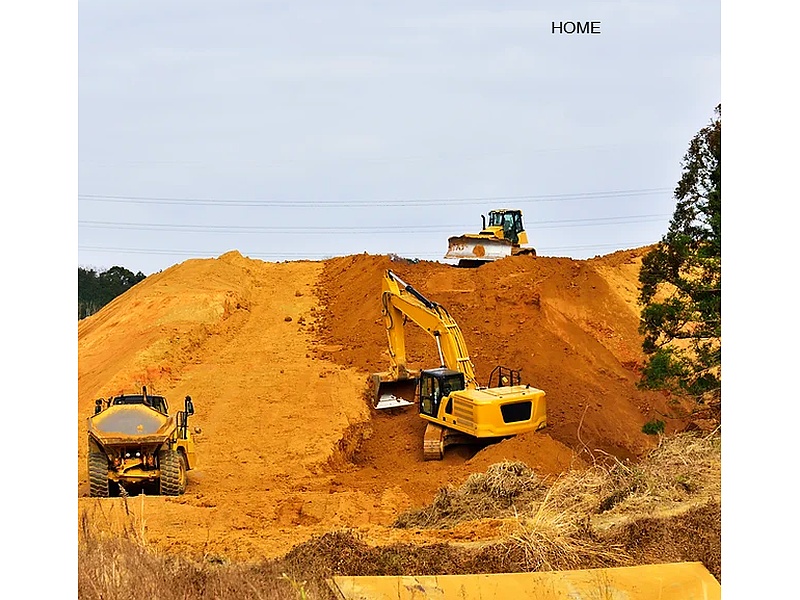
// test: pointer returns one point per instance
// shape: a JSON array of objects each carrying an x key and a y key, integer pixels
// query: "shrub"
[{"x": 653, "y": 427}]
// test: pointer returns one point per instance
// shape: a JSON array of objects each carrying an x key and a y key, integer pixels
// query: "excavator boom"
[{"x": 400, "y": 301}]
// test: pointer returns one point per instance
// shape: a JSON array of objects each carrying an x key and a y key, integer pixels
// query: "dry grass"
[
  {"x": 684, "y": 470},
  {"x": 584, "y": 518},
  {"x": 497, "y": 493},
  {"x": 115, "y": 563},
  {"x": 553, "y": 538},
  {"x": 665, "y": 509}
]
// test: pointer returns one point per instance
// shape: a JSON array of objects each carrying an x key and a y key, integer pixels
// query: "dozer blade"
[
  {"x": 393, "y": 393},
  {"x": 468, "y": 247}
]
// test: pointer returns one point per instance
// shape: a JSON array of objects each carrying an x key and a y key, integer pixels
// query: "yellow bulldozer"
[
  {"x": 456, "y": 407},
  {"x": 504, "y": 235},
  {"x": 133, "y": 441}
]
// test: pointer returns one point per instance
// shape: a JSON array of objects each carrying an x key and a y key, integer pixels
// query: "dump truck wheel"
[
  {"x": 184, "y": 469},
  {"x": 173, "y": 473},
  {"x": 98, "y": 475}
]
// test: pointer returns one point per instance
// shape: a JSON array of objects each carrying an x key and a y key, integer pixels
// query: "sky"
[{"x": 306, "y": 130}]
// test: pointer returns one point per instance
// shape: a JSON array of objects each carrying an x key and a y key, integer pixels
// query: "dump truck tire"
[
  {"x": 184, "y": 469},
  {"x": 98, "y": 475},
  {"x": 173, "y": 473}
]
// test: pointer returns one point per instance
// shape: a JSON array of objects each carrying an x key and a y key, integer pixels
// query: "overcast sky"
[{"x": 312, "y": 129}]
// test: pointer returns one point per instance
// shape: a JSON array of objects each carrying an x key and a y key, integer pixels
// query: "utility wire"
[
  {"x": 619, "y": 220},
  {"x": 309, "y": 255}
]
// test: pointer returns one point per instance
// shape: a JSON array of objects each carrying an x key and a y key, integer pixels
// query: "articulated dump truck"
[{"x": 134, "y": 442}]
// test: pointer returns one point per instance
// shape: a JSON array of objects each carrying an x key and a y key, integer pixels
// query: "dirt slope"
[
  {"x": 571, "y": 326},
  {"x": 289, "y": 446}
]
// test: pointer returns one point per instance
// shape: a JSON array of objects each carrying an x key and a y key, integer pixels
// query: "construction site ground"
[{"x": 277, "y": 357}]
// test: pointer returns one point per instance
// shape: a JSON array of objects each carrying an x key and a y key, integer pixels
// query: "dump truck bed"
[{"x": 130, "y": 424}]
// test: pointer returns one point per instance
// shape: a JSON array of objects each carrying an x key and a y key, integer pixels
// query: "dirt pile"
[
  {"x": 276, "y": 357},
  {"x": 570, "y": 326}
]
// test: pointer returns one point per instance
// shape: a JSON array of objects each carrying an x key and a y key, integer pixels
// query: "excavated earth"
[{"x": 276, "y": 357}]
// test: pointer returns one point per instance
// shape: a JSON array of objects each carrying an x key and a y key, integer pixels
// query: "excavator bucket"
[
  {"x": 478, "y": 248},
  {"x": 389, "y": 392}
]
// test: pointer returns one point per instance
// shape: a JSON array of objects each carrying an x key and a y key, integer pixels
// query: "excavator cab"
[{"x": 436, "y": 384}]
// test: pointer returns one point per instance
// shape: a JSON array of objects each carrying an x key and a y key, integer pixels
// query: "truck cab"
[{"x": 157, "y": 402}]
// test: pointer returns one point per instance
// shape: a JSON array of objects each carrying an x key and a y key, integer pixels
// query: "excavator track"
[
  {"x": 437, "y": 438},
  {"x": 433, "y": 442}
]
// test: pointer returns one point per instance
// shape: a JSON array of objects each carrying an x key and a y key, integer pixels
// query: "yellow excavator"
[
  {"x": 503, "y": 236},
  {"x": 456, "y": 407}
]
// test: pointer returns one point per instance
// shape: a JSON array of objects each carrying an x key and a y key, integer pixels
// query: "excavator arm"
[{"x": 401, "y": 302}]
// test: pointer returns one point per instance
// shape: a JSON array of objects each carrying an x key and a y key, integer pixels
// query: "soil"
[{"x": 277, "y": 357}]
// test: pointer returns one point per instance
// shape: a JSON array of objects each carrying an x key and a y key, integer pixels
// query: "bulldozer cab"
[
  {"x": 436, "y": 384},
  {"x": 510, "y": 221}
]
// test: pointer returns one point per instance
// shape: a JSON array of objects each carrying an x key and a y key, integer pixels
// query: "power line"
[
  {"x": 323, "y": 255},
  {"x": 359, "y": 230},
  {"x": 528, "y": 198}
]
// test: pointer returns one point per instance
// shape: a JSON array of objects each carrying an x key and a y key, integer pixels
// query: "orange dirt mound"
[
  {"x": 570, "y": 326},
  {"x": 277, "y": 356}
]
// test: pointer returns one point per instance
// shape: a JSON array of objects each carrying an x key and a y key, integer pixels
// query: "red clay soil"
[
  {"x": 569, "y": 325},
  {"x": 277, "y": 357}
]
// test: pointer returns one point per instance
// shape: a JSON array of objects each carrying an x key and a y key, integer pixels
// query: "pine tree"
[{"x": 681, "y": 280}]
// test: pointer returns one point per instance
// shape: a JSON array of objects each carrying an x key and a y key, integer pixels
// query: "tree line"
[
  {"x": 98, "y": 288},
  {"x": 681, "y": 280}
]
